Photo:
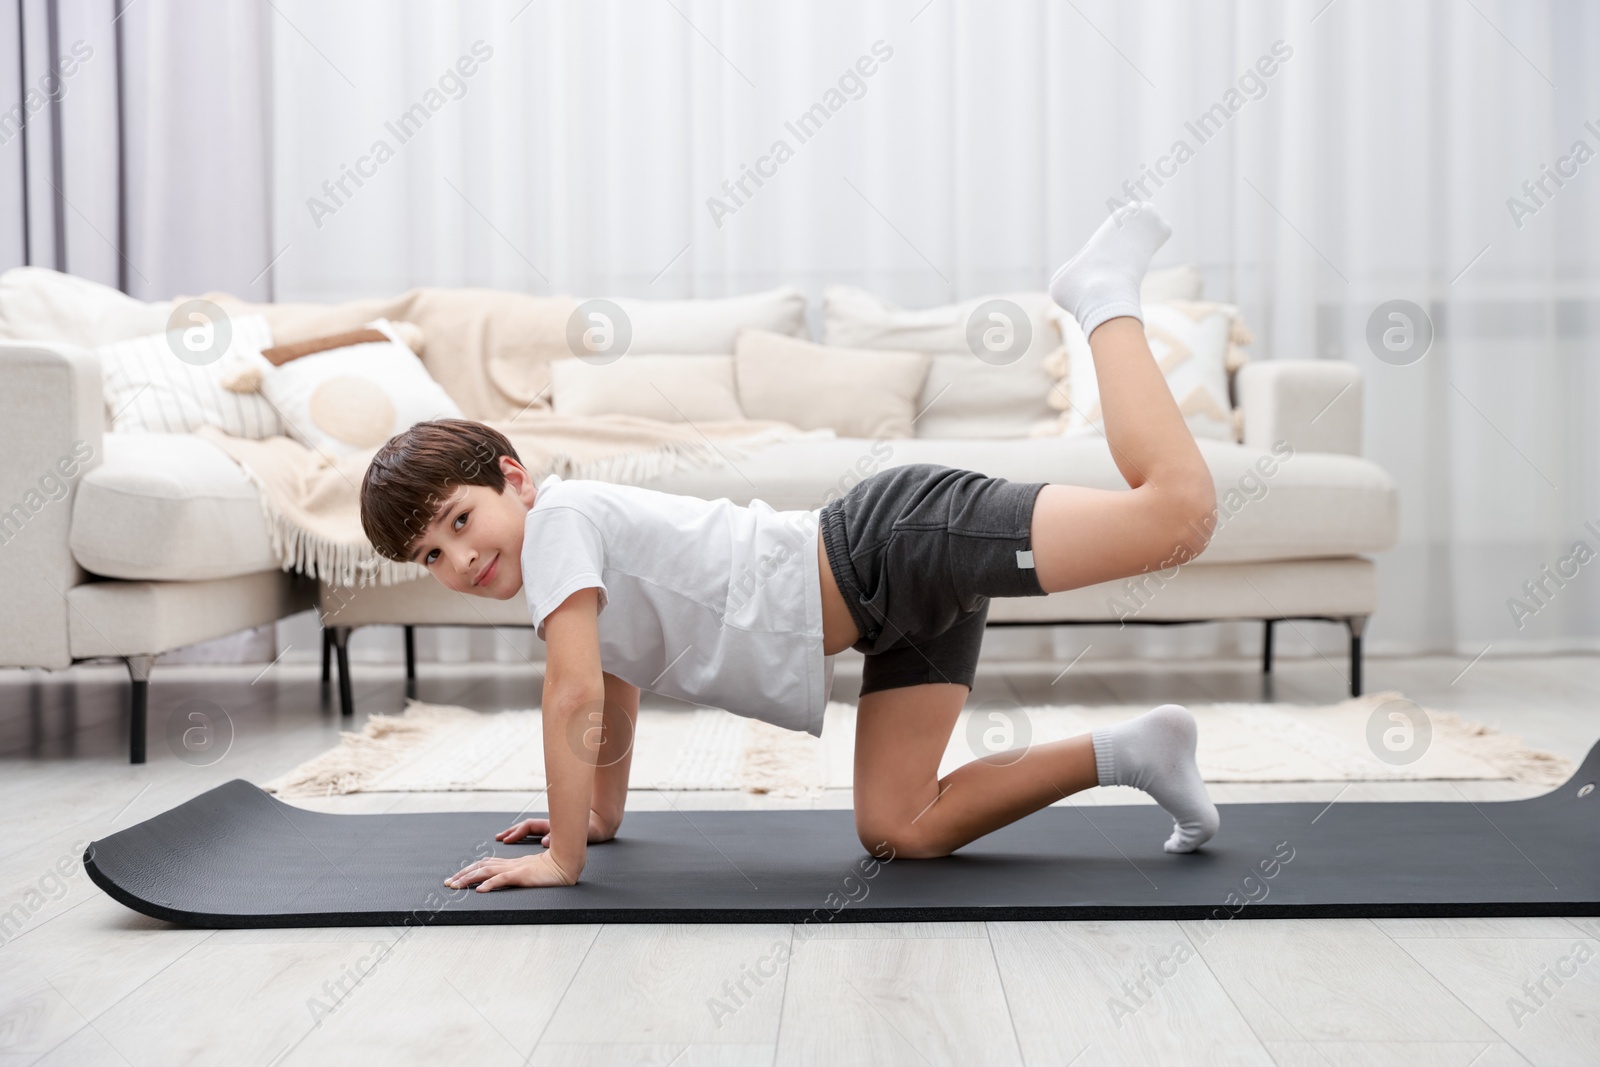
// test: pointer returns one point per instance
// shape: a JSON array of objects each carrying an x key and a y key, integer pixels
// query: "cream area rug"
[{"x": 443, "y": 748}]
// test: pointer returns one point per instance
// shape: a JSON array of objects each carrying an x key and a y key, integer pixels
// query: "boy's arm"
[
  {"x": 574, "y": 695},
  {"x": 572, "y": 710},
  {"x": 616, "y": 754},
  {"x": 610, "y": 776}
]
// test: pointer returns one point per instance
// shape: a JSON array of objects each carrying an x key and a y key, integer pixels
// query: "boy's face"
[{"x": 474, "y": 543}]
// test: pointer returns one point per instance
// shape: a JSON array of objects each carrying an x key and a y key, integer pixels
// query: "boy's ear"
[{"x": 518, "y": 479}]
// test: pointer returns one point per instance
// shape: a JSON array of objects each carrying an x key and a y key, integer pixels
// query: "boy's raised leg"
[
  {"x": 1080, "y": 536},
  {"x": 1083, "y": 536}
]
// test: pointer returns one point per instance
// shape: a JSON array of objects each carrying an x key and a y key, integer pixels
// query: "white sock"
[
  {"x": 1155, "y": 753},
  {"x": 1102, "y": 280}
]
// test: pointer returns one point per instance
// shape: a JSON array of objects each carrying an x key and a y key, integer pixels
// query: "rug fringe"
[
  {"x": 360, "y": 758},
  {"x": 789, "y": 763},
  {"x": 778, "y": 762},
  {"x": 1505, "y": 752}
]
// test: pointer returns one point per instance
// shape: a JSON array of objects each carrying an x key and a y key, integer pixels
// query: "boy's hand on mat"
[
  {"x": 495, "y": 871},
  {"x": 598, "y": 831}
]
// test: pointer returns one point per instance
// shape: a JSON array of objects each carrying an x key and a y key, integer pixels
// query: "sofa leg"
[
  {"x": 1356, "y": 624},
  {"x": 341, "y": 648},
  {"x": 139, "y": 716},
  {"x": 1266, "y": 646},
  {"x": 327, "y": 653},
  {"x": 411, "y": 661}
]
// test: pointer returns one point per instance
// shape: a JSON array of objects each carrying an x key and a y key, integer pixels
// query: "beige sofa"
[{"x": 126, "y": 546}]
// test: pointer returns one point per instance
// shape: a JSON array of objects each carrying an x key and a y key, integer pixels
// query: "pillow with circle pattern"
[{"x": 345, "y": 400}]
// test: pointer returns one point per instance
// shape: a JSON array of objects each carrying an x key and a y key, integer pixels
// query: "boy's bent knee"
[
  {"x": 908, "y": 842},
  {"x": 1189, "y": 518},
  {"x": 1200, "y": 519}
]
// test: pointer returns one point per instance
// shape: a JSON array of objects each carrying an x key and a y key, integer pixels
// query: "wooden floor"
[{"x": 85, "y": 981}]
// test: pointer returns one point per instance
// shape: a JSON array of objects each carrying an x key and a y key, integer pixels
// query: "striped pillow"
[{"x": 148, "y": 389}]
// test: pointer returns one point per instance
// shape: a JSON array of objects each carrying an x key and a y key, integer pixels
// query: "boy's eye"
[
  {"x": 428, "y": 559},
  {"x": 455, "y": 525}
]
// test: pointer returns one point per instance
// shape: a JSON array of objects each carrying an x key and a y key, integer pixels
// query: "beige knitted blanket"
[{"x": 490, "y": 350}]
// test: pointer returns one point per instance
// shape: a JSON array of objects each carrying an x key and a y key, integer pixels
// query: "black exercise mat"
[{"x": 237, "y": 857}]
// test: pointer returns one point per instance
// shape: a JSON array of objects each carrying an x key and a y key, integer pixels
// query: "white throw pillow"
[
  {"x": 1182, "y": 282},
  {"x": 39, "y": 304},
  {"x": 149, "y": 389},
  {"x": 710, "y": 326},
  {"x": 667, "y": 388},
  {"x": 345, "y": 400},
  {"x": 1000, "y": 393},
  {"x": 854, "y": 392},
  {"x": 1194, "y": 344}
]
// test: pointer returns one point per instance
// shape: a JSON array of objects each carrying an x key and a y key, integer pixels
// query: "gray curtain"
[{"x": 134, "y": 143}]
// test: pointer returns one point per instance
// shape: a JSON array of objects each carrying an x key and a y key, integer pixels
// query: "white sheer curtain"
[{"x": 1374, "y": 163}]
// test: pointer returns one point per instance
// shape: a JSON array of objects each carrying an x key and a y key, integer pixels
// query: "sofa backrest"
[{"x": 490, "y": 348}]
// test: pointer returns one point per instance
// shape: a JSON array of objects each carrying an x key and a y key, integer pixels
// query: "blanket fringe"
[
  {"x": 339, "y": 563},
  {"x": 631, "y": 468},
  {"x": 355, "y": 564}
]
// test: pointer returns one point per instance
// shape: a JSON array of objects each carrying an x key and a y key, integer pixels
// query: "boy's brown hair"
[{"x": 417, "y": 470}]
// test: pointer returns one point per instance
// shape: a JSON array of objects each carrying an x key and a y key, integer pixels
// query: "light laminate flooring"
[{"x": 85, "y": 981}]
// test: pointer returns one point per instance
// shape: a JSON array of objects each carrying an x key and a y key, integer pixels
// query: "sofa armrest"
[
  {"x": 52, "y": 418},
  {"x": 1313, "y": 404}
]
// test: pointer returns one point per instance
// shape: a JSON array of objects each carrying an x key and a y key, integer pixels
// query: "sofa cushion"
[
  {"x": 134, "y": 618},
  {"x": 168, "y": 506},
  {"x": 1293, "y": 588},
  {"x": 1271, "y": 505},
  {"x": 1001, "y": 393},
  {"x": 666, "y": 388},
  {"x": 857, "y": 392},
  {"x": 709, "y": 326},
  {"x": 173, "y": 506},
  {"x": 1183, "y": 282}
]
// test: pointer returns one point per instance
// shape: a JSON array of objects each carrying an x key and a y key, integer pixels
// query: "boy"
[{"x": 745, "y": 607}]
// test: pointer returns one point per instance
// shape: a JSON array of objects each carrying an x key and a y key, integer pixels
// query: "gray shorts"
[{"x": 917, "y": 551}]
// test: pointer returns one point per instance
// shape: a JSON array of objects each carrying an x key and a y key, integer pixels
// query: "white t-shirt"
[{"x": 703, "y": 600}]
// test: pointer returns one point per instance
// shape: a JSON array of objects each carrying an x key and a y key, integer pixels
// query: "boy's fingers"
[
  {"x": 493, "y": 883},
  {"x": 467, "y": 875},
  {"x": 523, "y": 829}
]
